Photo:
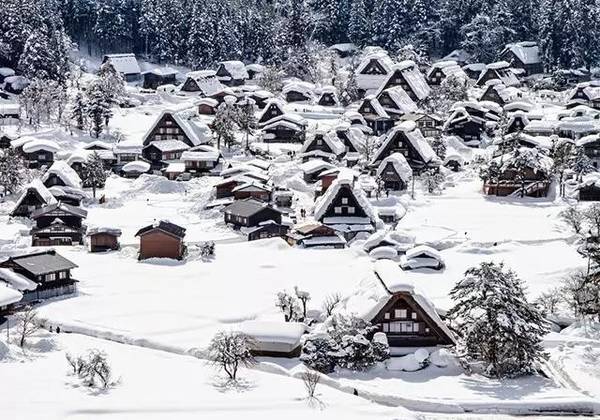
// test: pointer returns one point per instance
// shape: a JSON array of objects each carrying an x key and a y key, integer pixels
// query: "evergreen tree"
[
  {"x": 110, "y": 28},
  {"x": 224, "y": 124},
  {"x": 12, "y": 168},
  {"x": 359, "y": 27},
  {"x": 93, "y": 173},
  {"x": 98, "y": 109},
  {"x": 499, "y": 327},
  {"x": 111, "y": 83},
  {"x": 79, "y": 111},
  {"x": 582, "y": 165}
]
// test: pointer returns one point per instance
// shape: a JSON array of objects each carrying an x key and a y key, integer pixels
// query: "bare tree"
[
  {"x": 289, "y": 306},
  {"x": 573, "y": 217},
  {"x": 311, "y": 379},
  {"x": 303, "y": 297},
  {"x": 78, "y": 364},
  {"x": 330, "y": 303},
  {"x": 592, "y": 216},
  {"x": 97, "y": 370},
  {"x": 26, "y": 324},
  {"x": 582, "y": 293},
  {"x": 548, "y": 302},
  {"x": 230, "y": 350}
]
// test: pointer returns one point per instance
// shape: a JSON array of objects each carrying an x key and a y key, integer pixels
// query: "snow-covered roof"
[
  {"x": 458, "y": 55},
  {"x": 315, "y": 165},
  {"x": 425, "y": 250},
  {"x": 236, "y": 69},
  {"x": 61, "y": 169},
  {"x": 381, "y": 57},
  {"x": 413, "y": 76},
  {"x": 198, "y": 156},
  {"x": 21, "y": 141},
  {"x": 527, "y": 52},
  {"x": 123, "y": 63},
  {"x": 41, "y": 189},
  {"x": 162, "y": 71},
  {"x": 273, "y": 336},
  {"x": 7, "y": 108},
  {"x": 257, "y": 68},
  {"x": 98, "y": 144},
  {"x": 403, "y": 102},
  {"x": 448, "y": 68},
  {"x": 41, "y": 144},
  {"x": 330, "y": 138},
  {"x": 289, "y": 120},
  {"x": 501, "y": 71},
  {"x": 16, "y": 280},
  {"x": 208, "y": 101},
  {"x": 324, "y": 202},
  {"x": 136, "y": 166},
  {"x": 6, "y": 71},
  {"x": 541, "y": 125},
  {"x": 304, "y": 88},
  {"x": 279, "y": 103},
  {"x": 416, "y": 139},
  {"x": 8, "y": 295},
  {"x": 175, "y": 168},
  {"x": 188, "y": 120},
  {"x": 400, "y": 165},
  {"x": 169, "y": 145},
  {"x": 103, "y": 229},
  {"x": 207, "y": 82},
  {"x": 376, "y": 106}
]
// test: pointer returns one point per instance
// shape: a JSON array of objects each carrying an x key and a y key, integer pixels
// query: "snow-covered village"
[{"x": 302, "y": 208}]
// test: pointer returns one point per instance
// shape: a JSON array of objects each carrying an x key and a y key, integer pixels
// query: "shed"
[{"x": 162, "y": 239}]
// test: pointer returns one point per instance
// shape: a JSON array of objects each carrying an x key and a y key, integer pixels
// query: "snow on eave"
[
  {"x": 526, "y": 51},
  {"x": 41, "y": 189},
  {"x": 414, "y": 136},
  {"x": 8, "y": 295},
  {"x": 315, "y": 165},
  {"x": 123, "y": 63},
  {"x": 61, "y": 169},
  {"x": 236, "y": 69},
  {"x": 424, "y": 249},
  {"x": 136, "y": 166},
  {"x": 400, "y": 165},
  {"x": 402, "y": 100},
  {"x": 41, "y": 144},
  {"x": 16, "y": 280},
  {"x": 324, "y": 202}
]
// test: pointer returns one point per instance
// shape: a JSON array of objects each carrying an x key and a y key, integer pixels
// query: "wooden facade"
[
  {"x": 273, "y": 110},
  {"x": 344, "y": 204},
  {"x": 31, "y": 201},
  {"x": 167, "y": 128},
  {"x": 39, "y": 159},
  {"x": 400, "y": 144},
  {"x": 397, "y": 79},
  {"x": 536, "y": 184},
  {"x": 253, "y": 191},
  {"x": 406, "y": 324},
  {"x": 327, "y": 99},
  {"x": 161, "y": 240},
  {"x": 268, "y": 230},
  {"x": 249, "y": 213},
  {"x": 103, "y": 241},
  {"x": 154, "y": 80},
  {"x": 58, "y": 225},
  {"x": 391, "y": 179}
]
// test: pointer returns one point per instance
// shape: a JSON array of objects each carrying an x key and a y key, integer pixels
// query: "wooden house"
[
  {"x": 16, "y": 84},
  {"x": 261, "y": 97},
  {"x": 589, "y": 190},
  {"x": 321, "y": 145},
  {"x": 587, "y": 93},
  {"x": 58, "y": 224},
  {"x": 184, "y": 126},
  {"x": 9, "y": 298},
  {"x": 250, "y": 212},
  {"x": 201, "y": 160},
  {"x": 403, "y": 313},
  {"x": 287, "y": 128},
  {"x": 396, "y": 102},
  {"x": 523, "y": 55},
  {"x": 429, "y": 124},
  {"x": 126, "y": 152},
  {"x": 468, "y": 121},
  {"x": 160, "y": 151},
  {"x": 394, "y": 172},
  {"x": 68, "y": 195},
  {"x": 330, "y": 175},
  {"x": 313, "y": 235},
  {"x": 442, "y": 69},
  {"x": 344, "y": 207},
  {"x": 39, "y": 153},
  {"x": 159, "y": 76},
  {"x": 327, "y": 96},
  {"x": 496, "y": 92},
  {"x": 298, "y": 92},
  {"x": 267, "y": 229},
  {"x": 232, "y": 73},
  {"x": 34, "y": 196},
  {"x": 254, "y": 71},
  {"x": 533, "y": 181},
  {"x": 353, "y": 139},
  {"x": 41, "y": 275},
  {"x": 313, "y": 168},
  {"x": 101, "y": 239},
  {"x": 408, "y": 76},
  {"x": 161, "y": 239},
  {"x": 373, "y": 71},
  {"x": 124, "y": 64},
  {"x": 273, "y": 109},
  {"x": 254, "y": 190},
  {"x": 202, "y": 82},
  {"x": 407, "y": 140},
  {"x": 498, "y": 71},
  {"x": 274, "y": 338},
  {"x": 207, "y": 106},
  {"x": 459, "y": 56},
  {"x": 376, "y": 117},
  {"x": 134, "y": 169},
  {"x": 62, "y": 175},
  {"x": 10, "y": 110},
  {"x": 591, "y": 148},
  {"x": 517, "y": 122},
  {"x": 474, "y": 70}
]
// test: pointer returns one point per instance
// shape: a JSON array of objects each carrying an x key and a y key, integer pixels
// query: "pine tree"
[
  {"x": 246, "y": 119},
  {"x": 98, "y": 109},
  {"x": 12, "y": 168},
  {"x": 79, "y": 111},
  {"x": 359, "y": 31},
  {"x": 499, "y": 327},
  {"x": 224, "y": 124},
  {"x": 111, "y": 83},
  {"x": 93, "y": 173},
  {"x": 37, "y": 60},
  {"x": 582, "y": 165}
]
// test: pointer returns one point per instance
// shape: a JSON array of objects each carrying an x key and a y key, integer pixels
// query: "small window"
[
  {"x": 351, "y": 210},
  {"x": 344, "y": 200},
  {"x": 413, "y": 315},
  {"x": 337, "y": 210},
  {"x": 386, "y": 327},
  {"x": 416, "y": 327},
  {"x": 387, "y": 315},
  {"x": 426, "y": 329},
  {"x": 400, "y": 313}
]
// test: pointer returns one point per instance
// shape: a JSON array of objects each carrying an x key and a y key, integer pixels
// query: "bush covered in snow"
[
  {"x": 230, "y": 350},
  {"x": 344, "y": 342},
  {"x": 92, "y": 368}
]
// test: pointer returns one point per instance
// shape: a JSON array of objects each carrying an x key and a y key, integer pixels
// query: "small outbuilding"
[
  {"x": 102, "y": 239},
  {"x": 162, "y": 239}
]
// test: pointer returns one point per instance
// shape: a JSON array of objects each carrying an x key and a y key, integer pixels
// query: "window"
[
  {"x": 386, "y": 327},
  {"x": 319, "y": 142},
  {"x": 413, "y": 315},
  {"x": 337, "y": 210},
  {"x": 41, "y": 157},
  {"x": 387, "y": 315},
  {"x": 351, "y": 210},
  {"x": 50, "y": 277},
  {"x": 344, "y": 200},
  {"x": 400, "y": 313},
  {"x": 416, "y": 327},
  {"x": 62, "y": 275}
]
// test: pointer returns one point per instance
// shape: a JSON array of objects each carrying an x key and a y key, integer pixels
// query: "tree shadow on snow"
[{"x": 224, "y": 384}]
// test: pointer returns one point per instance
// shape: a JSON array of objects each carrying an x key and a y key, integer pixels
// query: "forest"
[{"x": 200, "y": 33}]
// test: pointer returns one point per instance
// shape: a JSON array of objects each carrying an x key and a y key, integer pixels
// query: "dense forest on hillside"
[{"x": 198, "y": 33}]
